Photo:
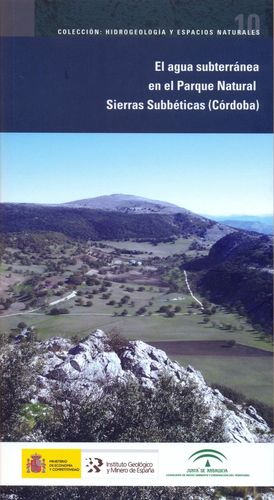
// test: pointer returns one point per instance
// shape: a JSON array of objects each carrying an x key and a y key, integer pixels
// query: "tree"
[
  {"x": 75, "y": 279},
  {"x": 58, "y": 310},
  {"x": 163, "y": 309},
  {"x": 14, "y": 376},
  {"x": 21, "y": 325},
  {"x": 206, "y": 320},
  {"x": 141, "y": 311}
]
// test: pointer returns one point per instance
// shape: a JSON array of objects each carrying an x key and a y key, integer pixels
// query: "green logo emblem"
[{"x": 207, "y": 453}]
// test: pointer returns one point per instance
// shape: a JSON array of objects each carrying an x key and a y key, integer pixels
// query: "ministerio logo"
[{"x": 50, "y": 463}]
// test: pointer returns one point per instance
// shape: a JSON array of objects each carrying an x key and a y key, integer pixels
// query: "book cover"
[{"x": 136, "y": 249}]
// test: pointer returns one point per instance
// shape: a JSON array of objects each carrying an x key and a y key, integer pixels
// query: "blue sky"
[{"x": 216, "y": 174}]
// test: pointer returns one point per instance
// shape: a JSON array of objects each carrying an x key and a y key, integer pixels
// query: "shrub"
[
  {"x": 115, "y": 341},
  {"x": 103, "y": 493},
  {"x": 169, "y": 413},
  {"x": 230, "y": 343},
  {"x": 263, "y": 409}
]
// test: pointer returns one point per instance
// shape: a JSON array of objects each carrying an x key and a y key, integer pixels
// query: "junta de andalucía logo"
[{"x": 207, "y": 454}]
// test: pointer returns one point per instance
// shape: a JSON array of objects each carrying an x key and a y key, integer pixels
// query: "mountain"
[
  {"x": 242, "y": 248},
  {"x": 259, "y": 224},
  {"x": 127, "y": 203},
  {"x": 78, "y": 392},
  {"x": 94, "y": 224},
  {"x": 237, "y": 273}
]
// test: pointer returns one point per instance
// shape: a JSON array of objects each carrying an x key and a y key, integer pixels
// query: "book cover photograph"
[{"x": 136, "y": 273}]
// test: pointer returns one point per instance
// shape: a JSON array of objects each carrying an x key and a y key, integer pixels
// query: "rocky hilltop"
[
  {"x": 127, "y": 203},
  {"x": 88, "y": 368}
]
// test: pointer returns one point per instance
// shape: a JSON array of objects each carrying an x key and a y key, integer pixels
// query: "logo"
[
  {"x": 51, "y": 462},
  {"x": 211, "y": 462},
  {"x": 94, "y": 465},
  {"x": 36, "y": 464},
  {"x": 207, "y": 454}
]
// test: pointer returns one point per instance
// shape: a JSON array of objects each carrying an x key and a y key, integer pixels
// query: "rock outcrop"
[{"x": 90, "y": 366}]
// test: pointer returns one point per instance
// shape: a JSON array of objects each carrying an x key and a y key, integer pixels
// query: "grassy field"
[
  {"x": 3, "y": 268},
  {"x": 251, "y": 376},
  {"x": 188, "y": 324},
  {"x": 156, "y": 327},
  {"x": 181, "y": 245}
]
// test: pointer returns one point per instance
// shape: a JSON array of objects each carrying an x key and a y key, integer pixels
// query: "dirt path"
[
  {"x": 68, "y": 297},
  {"x": 34, "y": 311},
  {"x": 190, "y": 291},
  {"x": 19, "y": 313}
]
